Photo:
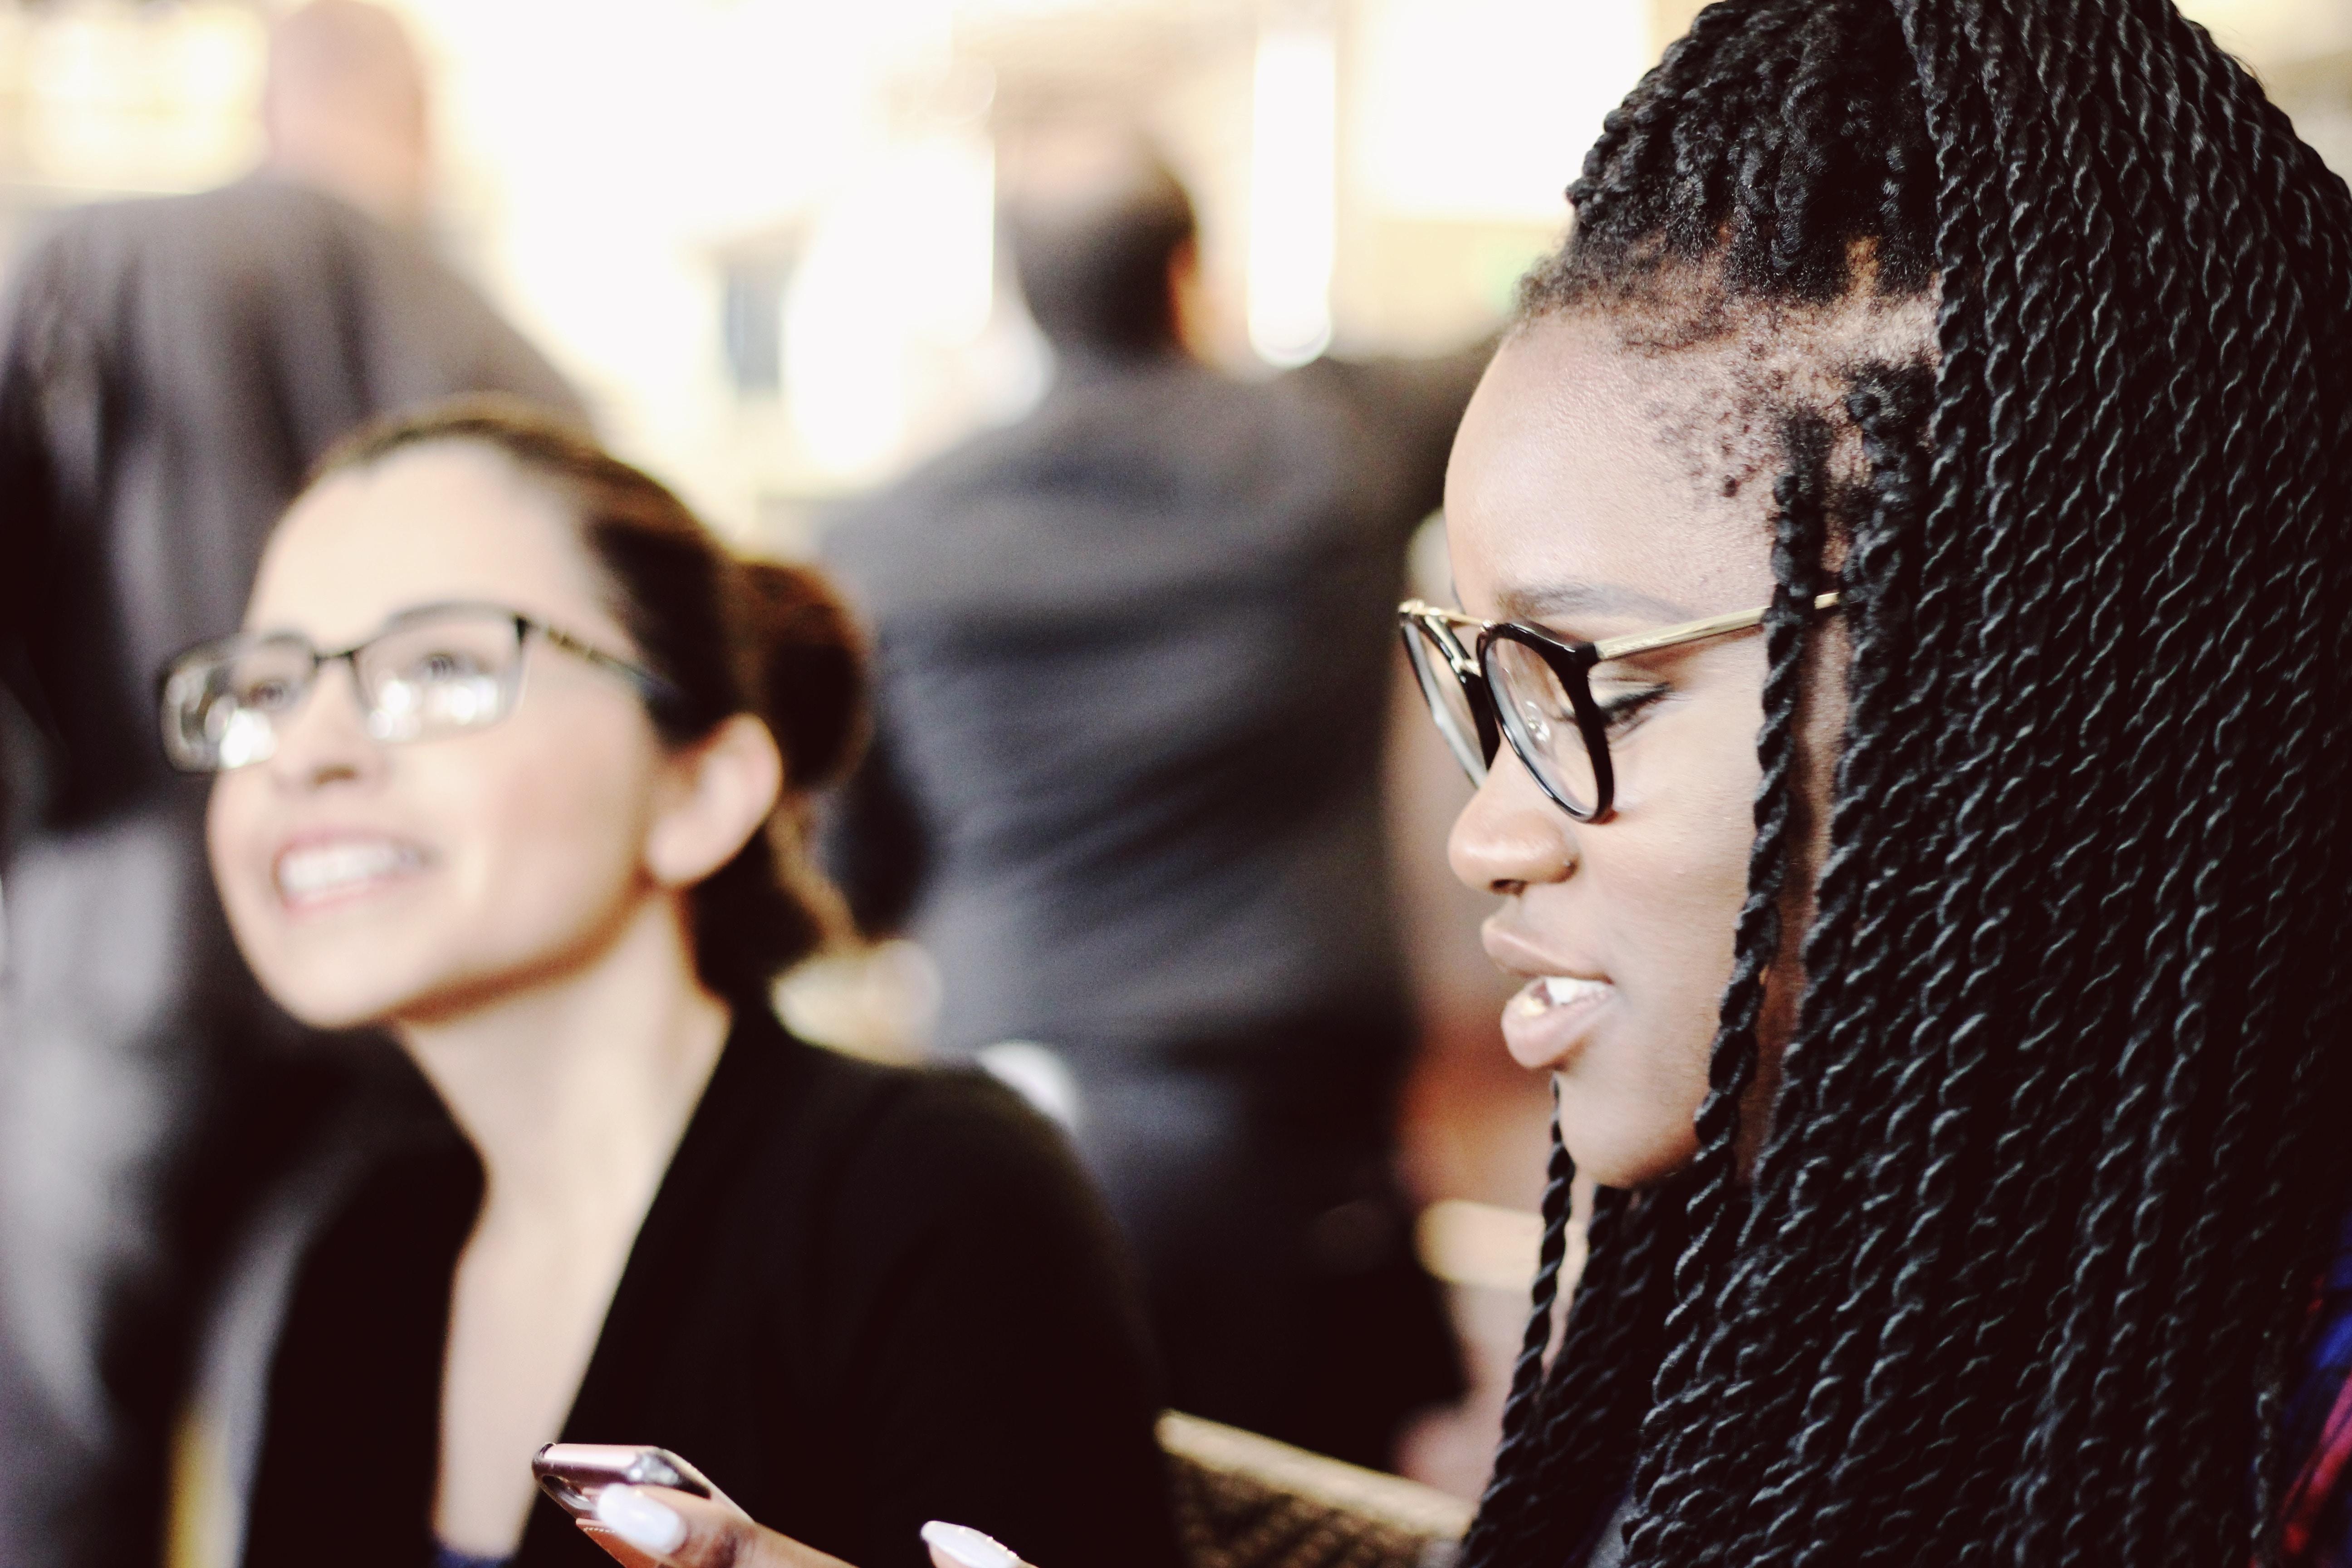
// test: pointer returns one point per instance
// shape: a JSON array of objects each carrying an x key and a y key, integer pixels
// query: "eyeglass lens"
[
  {"x": 1442, "y": 687},
  {"x": 1539, "y": 718},
  {"x": 449, "y": 673},
  {"x": 455, "y": 671}
]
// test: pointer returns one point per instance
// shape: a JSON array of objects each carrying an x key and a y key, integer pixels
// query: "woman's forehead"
[
  {"x": 1573, "y": 467},
  {"x": 431, "y": 524}
]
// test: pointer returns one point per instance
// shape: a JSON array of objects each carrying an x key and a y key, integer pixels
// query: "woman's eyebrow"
[{"x": 1575, "y": 599}]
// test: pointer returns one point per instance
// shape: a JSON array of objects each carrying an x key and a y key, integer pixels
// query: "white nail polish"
[
  {"x": 639, "y": 1520},
  {"x": 963, "y": 1543}
]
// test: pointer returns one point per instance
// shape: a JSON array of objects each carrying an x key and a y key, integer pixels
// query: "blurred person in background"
[
  {"x": 1134, "y": 660},
  {"x": 545, "y": 822},
  {"x": 170, "y": 369}
]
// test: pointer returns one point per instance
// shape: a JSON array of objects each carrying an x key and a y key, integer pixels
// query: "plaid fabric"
[{"x": 2317, "y": 1525}]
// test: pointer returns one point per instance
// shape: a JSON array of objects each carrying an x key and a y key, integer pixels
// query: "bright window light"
[
  {"x": 1480, "y": 110},
  {"x": 1294, "y": 144}
]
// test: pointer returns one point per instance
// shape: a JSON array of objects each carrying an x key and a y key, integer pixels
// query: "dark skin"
[
  {"x": 1600, "y": 486},
  {"x": 1563, "y": 510},
  {"x": 670, "y": 1528}
]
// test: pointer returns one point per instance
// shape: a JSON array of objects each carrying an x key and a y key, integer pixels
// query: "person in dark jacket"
[
  {"x": 543, "y": 821},
  {"x": 169, "y": 371},
  {"x": 1135, "y": 659}
]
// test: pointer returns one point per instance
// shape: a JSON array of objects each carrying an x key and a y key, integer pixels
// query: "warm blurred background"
[
  {"x": 757, "y": 234},
  {"x": 792, "y": 201}
]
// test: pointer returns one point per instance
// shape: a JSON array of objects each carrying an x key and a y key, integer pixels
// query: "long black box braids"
[{"x": 2019, "y": 1273}]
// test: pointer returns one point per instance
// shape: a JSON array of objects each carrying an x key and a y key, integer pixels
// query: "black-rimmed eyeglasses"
[
  {"x": 432, "y": 670},
  {"x": 1519, "y": 683}
]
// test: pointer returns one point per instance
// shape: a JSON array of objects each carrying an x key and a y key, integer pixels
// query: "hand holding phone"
[{"x": 576, "y": 1474}]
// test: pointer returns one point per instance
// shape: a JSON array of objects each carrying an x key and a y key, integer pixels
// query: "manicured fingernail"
[
  {"x": 641, "y": 1521},
  {"x": 963, "y": 1544}
]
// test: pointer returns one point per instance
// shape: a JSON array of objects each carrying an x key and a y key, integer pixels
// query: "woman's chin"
[
  {"x": 1627, "y": 1147},
  {"x": 333, "y": 1013},
  {"x": 332, "y": 998}
]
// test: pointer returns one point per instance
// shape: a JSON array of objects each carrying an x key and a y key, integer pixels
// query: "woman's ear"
[{"x": 722, "y": 791}]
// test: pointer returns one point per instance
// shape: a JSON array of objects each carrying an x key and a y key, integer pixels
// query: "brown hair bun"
[{"x": 813, "y": 670}]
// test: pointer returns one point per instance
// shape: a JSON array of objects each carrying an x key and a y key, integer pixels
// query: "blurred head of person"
[
  {"x": 575, "y": 719},
  {"x": 344, "y": 109},
  {"x": 1101, "y": 237}
]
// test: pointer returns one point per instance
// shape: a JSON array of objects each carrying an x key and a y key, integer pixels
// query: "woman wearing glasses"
[
  {"x": 1904, "y": 556},
  {"x": 1954, "y": 1054},
  {"x": 513, "y": 762},
  {"x": 1955, "y": 1050}
]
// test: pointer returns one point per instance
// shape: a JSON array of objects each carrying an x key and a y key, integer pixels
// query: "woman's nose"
[
  {"x": 1510, "y": 835},
  {"x": 324, "y": 738}
]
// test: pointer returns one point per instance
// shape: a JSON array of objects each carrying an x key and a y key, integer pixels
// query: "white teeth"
[
  {"x": 1566, "y": 990},
  {"x": 331, "y": 867},
  {"x": 1551, "y": 991}
]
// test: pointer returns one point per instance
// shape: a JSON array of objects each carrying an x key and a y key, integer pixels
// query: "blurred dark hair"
[
  {"x": 1092, "y": 217},
  {"x": 729, "y": 635}
]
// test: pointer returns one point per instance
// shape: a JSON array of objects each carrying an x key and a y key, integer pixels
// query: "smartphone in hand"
[{"x": 574, "y": 1473}]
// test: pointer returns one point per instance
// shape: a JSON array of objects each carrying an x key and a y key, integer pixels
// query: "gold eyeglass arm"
[
  {"x": 1691, "y": 631},
  {"x": 1633, "y": 642},
  {"x": 1419, "y": 608}
]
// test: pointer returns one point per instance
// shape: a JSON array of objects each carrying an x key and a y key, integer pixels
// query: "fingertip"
[
  {"x": 650, "y": 1526},
  {"x": 961, "y": 1546}
]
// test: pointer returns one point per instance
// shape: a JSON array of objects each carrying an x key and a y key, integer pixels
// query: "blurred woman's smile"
[{"x": 326, "y": 870}]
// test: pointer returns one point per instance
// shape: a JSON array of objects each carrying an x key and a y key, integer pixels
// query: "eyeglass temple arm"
[
  {"x": 1424, "y": 611},
  {"x": 1691, "y": 631},
  {"x": 644, "y": 679},
  {"x": 1633, "y": 642}
]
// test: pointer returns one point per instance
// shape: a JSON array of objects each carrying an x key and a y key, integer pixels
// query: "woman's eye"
[
  {"x": 435, "y": 668},
  {"x": 1621, "y": 707},
  {"x": 265, "y": 695}
]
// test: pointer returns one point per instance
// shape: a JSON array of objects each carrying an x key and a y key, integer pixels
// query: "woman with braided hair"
[
  {"x": 1975, "y": 1218},
  {"x": 1904, "y": 657}
]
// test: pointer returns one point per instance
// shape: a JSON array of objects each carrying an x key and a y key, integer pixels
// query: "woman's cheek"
[
  {"x": 557, "y": 851},
  {"x": 236, "y": 843},
  {"x": 1626, "y": 1108},
  {"x": 1674, "y": 874}
]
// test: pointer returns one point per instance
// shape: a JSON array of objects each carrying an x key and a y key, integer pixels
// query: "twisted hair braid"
[
  {"x": 1600, "y": 1385},
  {"x": 1717, "y": 1198},
  {"x": 2014, "y": 1277},
  {"x": 1505, "y": 1492}
]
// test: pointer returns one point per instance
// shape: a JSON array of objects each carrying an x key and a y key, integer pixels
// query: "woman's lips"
[{"x": 1550, "y": 1018}]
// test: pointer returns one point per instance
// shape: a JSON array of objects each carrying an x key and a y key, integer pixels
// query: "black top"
[
  {"x": 864, "y": 1297},
  {"x": 1134, "y": 657}
]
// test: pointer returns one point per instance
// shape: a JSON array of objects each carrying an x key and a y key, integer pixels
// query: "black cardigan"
[{"x": 864, "y": 1297}]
